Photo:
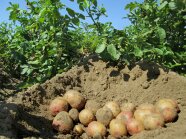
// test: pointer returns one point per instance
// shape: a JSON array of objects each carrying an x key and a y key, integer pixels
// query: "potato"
[
  {"x": 147, "y": 106},
  {"x": 93, "y": 106},
  {"x": 86, "y": 116},
  {"x": 62, "y": 122},
  {"x": 125, "y": 116},
  {"x": 78, "y": 129},
  {"x": 57, "y": 105},
  {"x": 140, "y": 114},
  {"x": 117, "y": 128},
  {"x": 104, "y": 115},
  {"x": 128, "y": 106},
  {"x": 153, "y": 121},
  {"x": 114, "y": 107},
  {"x": 75, "y": 99},
  {"x": 134, "y": 126},
  {"x": 96, "y": 128},
  {"x": 169, "y": 114},
  {"x": 74, "y": 114},
  {"x": 167, "y": 103}
]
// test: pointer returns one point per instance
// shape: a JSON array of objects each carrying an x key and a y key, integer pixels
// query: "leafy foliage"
[{"x": 41, "y": 42}]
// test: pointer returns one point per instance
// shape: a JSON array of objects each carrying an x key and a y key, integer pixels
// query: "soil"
[{"x": 26, "y": 114}]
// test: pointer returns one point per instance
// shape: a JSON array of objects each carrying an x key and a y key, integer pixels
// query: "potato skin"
[
  {"x": 74, "y": 114},
  {"x": 86, "y": 116},
  {"x": 57, "y": 105},
  {"x": 62, "y": 122},
  {"x": 114, "y": 107},
  {"x": 134, "y": 126},
  {"x": 96, "y": 128},
  {"x": 104, "y": 115},
  {"x": 75, "y": 99},
  {"x": 93, "y": 106},
  {"x": 153, "y": 121},
  {"x": 117, "y": 128}
]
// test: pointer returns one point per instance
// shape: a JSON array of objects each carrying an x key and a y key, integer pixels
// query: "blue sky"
[{"x": 115, "y": 10}]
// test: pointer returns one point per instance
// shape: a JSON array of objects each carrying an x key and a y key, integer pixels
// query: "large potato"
[
  {"x": 75, "y": 99},
  {"x": 62, "y": 122}
]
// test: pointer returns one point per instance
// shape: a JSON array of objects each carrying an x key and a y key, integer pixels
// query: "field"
[
  {"x": 26, "y": 114},
  {"x": 45, "y": 52}
]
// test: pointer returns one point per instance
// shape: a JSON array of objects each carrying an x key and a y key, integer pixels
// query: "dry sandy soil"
[{"x": 26, "y": 115}]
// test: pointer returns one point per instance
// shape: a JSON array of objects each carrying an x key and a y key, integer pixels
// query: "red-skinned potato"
[
  {"x": 86, "y": 116},
  {"x": 57, "y": 105},
  {"x": 104, "y": 115},
  {"x": 128, "y": 106},
  {"x": 96, "y": 128},
  {"x": 114, "y": 107},
  {"x": 75, "y": 99},
  {"x": 117, "y": 128},
  {"x": 153, "y": 121},
  {"x": 62, "y": 122},
  {"x": 125, "y": 116},
  {"x": 93, "y": 106},
  {"x": 134, "y": 126}
]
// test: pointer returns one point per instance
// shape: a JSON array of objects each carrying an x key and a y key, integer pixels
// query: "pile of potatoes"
[{"x": 73, "y": 114}]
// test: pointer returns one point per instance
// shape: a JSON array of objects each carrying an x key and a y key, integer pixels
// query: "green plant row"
[{"x": 48, "y": 37}]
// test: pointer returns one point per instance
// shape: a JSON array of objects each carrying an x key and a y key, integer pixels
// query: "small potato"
[
  {"x": 78, "y": 129},
  {"x": 92, "y": 105},
  {"x": 153, "y": 121},
  {"x": 114, "y": 107},
  {"x": 62, "y": 122},
  {"x": 128, "y": 106},
  {"x": 167, "y": 103},
  {"x": 57, "y": 105},
  {"x": 117, "y": 128},
  {"x": 104, "y": 115},
  {"x": 86, "y": 116},
  {"x": 74, "y": 114},
  {"x": 169, "y": 114},
  {"x": 134, "y": 126},
  {"x": 125, "y": 116},
  {"x": 96, "y": 128},
  {"x": 140, "y": 114},
  {"x": 75, "y": 99}
]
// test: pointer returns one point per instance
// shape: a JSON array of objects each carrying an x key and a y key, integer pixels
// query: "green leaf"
[
  {"x": 138, "y": 52},
  {"x": 131, "y": 6},
  {"x": 70, "y": 12},
  {"x": 75, "y": 21},
  {"x": 111, "y": 49},
  {"x": 33, "y": 62},
  {"x": 172, "y": 5},
  {"x": 161, "y": 33},
  {"x": 100, "y": 48},
  {"x": 162, "y": 5}
]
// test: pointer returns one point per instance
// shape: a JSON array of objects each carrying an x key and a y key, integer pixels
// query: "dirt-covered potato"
[
  {"x": 74, "y": 114},
  {"x": 75, "y": 99},
  {"x": 104, "y": 115},
  {"x": 62, "y": 122},
  {"x": 114, "y": 107},
  {"x": 117, "y": 128},
  {"x": 96, "y": 128},
  {"x": 128, "y": 106},
  {"x": 92, "y": 105},
  {"x": 57, "y": 105},
  {"x": 134, "y": 126},
  {"x": 86, "y": 116}
]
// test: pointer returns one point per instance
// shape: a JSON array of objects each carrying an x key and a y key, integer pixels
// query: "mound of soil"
[{"x": 26, "y": 115}]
